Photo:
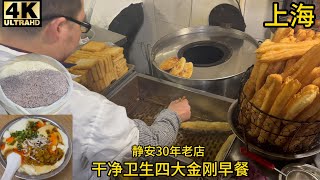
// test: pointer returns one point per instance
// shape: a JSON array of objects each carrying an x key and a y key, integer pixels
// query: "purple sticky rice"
[{"x": 33, "y": 89}]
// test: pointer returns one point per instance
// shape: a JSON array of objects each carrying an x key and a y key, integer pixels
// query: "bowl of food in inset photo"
[{"x": 44, "y": 146}]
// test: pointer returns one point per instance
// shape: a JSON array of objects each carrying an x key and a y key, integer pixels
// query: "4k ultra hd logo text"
[{"x": 21, "y": 13}]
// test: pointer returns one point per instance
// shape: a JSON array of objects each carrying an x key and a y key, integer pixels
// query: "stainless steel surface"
[
  {"x": 144, "y": 97},
  {"x": 300, "y": 172},
  {"x": 265, "y": 152},
  {"x": 227, "y": 87},
  {"x": 221, "y": 79},
  {"x": 242, "y": 45},
  {"x": 47, "y": 175},
  {"x": 103, "y": 35}
]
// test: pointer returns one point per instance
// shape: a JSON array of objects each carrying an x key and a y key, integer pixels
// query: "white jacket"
[{"x": 101, "y": 129}]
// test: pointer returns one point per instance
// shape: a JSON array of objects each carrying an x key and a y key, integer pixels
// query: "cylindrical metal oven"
[{"x": 219, "y": 56}]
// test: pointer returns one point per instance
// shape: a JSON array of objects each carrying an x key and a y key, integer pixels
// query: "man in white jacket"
[{"x": 102, "y": 131}]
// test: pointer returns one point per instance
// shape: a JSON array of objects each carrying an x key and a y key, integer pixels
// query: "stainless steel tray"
[{"x": 144, "y": 97}]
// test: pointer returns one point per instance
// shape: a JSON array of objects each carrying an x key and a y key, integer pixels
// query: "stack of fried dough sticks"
[{"x": 283, "y": 88}]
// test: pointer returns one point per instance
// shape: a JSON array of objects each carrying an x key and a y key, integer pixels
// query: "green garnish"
[{"x": 30, "y": 133}]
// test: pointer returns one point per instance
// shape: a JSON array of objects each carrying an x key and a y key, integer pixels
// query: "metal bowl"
[
  {"x": 276, "y": 156},
  {"x": 300, "y": 171},
  {"x": 42, "y": 176}
]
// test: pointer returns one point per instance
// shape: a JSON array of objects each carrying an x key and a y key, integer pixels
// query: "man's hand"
[{"x": 182, "y": 108}]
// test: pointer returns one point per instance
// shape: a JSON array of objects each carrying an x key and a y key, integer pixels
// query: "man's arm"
[{"x": 162, "y": 132}]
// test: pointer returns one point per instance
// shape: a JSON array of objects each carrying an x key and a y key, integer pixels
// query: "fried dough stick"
[
  {"x": 308, "y": 62},
  {"x": 317, "y": 82},
  {"x": 310, "y": 110},
  {"x": 281, "y": 33},
  {"x": 286, "y": 46},
  {"x": 283, "y": 55},
  {"x": 295, "y": 106},
  {"x": 249, "y": 91},
  {"x": 257, "y": 100},
  {"x": 306, "y": 134},
  {"x": 317, "y": 36},
  {"x": 249, "y": 87},
  {"x": 289, "y": 39},
  {"x": 300, "y": 101},
  {"x": 289, "y": 88},
  {"x": 267, "y": 42},
  {"x": 206, "y": 126},
  {"x": 262, "y": 75},
  {"x": 268, "y": 100},
  {"x": 314, "y": 74},
  {"x": 284, "y": 51},
  {"x": 264, "y": 99},
  {"x": 311, "y": 114},
  {"x": 304, "y": 65},
  {"x": 301, "y": 35},
  {"x": 310, "y": 34},
  {"x": 289, "y": 64},
  {"x": 276, "y": 68}
]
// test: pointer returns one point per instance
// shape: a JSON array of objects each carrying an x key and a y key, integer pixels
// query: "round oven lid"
[{"x": 217, "y": 53}]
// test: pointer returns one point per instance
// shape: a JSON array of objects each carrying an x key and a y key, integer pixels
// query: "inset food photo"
[{"x": 36, "y": 147}]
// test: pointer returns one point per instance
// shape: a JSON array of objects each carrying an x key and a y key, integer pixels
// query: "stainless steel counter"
[{"x": 104, "y": 35}]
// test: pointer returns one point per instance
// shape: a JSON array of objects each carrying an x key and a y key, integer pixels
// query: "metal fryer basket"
[{"x": 144, "y": 97}]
